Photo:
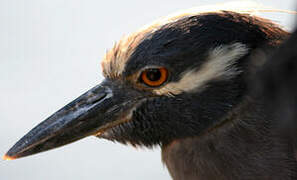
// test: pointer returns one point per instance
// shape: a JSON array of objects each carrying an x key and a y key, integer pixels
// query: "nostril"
[
  {"x": 95, "y": 98},
  {"x": 98, "y": 96}
]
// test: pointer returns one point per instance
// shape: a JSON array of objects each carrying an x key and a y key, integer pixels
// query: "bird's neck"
[{"x": 243, "y": 147}]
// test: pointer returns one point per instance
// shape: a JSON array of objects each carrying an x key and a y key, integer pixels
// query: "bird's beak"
[{"x": 98, "y": 109}]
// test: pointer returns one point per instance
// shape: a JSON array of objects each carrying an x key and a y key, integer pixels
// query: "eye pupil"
[{"x": 153, "y": 74}]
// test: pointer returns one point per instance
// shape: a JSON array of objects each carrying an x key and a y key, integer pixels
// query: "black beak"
[{"x": 96, "y": 110}]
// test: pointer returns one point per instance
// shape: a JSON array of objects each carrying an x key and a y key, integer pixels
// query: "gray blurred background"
[{"x": 50, "y": 53}]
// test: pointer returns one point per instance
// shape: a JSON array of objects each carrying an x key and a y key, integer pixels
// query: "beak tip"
[{"x": 6, "y": 157}]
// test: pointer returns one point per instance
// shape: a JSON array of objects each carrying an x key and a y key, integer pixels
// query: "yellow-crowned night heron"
[{"x": 182, "y": 83}]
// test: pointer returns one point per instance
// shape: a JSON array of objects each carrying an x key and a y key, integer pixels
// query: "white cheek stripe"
[{"x": 218, "y": 66}]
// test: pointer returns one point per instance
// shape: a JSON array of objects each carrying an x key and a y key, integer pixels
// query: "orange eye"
[{"x": 154, "y": 76}]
